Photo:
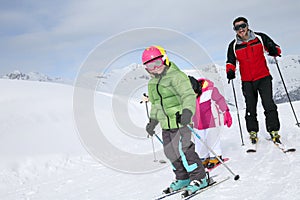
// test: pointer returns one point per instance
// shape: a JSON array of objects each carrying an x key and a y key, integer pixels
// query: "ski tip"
[
  {"x": 290, "y": 150},
  {"x": 251, "y": 151}
]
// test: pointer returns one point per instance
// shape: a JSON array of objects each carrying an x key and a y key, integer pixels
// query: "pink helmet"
[{"x": 151, "y": 53}]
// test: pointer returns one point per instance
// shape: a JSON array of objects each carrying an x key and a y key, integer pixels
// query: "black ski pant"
[
  {"x": 180, "y": 150},
  {"x": 250, "y": 91}
]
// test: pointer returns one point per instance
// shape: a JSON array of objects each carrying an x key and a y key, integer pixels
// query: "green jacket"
[{"x": 170, "y": 93}]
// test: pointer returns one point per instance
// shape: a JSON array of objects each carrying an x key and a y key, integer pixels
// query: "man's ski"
[
  {"x": 185, "y": 195},
  {"x": 252, "y": 149},
  {"x": 223, "y": 159},
  {"x": 282, "y": 147}
]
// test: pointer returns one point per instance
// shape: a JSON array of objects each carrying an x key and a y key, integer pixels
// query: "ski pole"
[
  {"x": 147, "y": 110},
  {"x": 160, "y": 140},
  {"x": 287, "y": 94},
  {"x": 153, "y": 149},
  {"x": 237, "y": 111},
  {"x": 236, "y": 176}
]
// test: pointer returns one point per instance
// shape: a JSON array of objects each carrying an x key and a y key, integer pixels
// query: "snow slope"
[{"x": 42, "y": 156}]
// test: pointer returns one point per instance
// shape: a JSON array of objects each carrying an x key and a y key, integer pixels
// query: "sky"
[{"x": 56, "y": 37}]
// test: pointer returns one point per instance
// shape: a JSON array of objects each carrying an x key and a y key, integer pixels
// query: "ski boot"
[
  {"x": 275, "y": 137},
  {"x": 205, "y": 162},
  {"x": 253, "y": 137},
  {"x": 195, "y": 185},
  {"x": 177, "y": 185},
  {"x": 213, "y": 162}
]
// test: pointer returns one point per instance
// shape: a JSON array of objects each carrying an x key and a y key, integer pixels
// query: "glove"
[
  {"x": 272, "y": 49},
  {"x": 227, "y": 118},
  {"x": 186, "y": 117},
  {"x": 151, "y": 126},
  {"x": 230, "y": 75}
]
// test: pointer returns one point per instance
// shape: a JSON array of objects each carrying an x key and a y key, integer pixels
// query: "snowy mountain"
[
  {"x": 44, "y": 157},
  {"x": 33, "y": 76},
  {"x": 289, "y": 67}
]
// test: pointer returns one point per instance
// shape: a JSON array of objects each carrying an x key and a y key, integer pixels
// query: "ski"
[
  {"x": 283, "y": 149},
  {"x": 210, "y": 169},
  {"x": 186, "y": 196},
  {"x": 281, "y": 146},
  {"x": 252, "y": 149},
  {"x": 164, "y": 195}
]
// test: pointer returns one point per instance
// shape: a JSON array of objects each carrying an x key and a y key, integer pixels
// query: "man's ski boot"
[
  {"x": 213, "y": 162},
  {"x": 177, "y": 185},
  {"x": 253, "y": 137},
  {"x": 196, "y": 185},
  {"x": 275, "y": 137}
]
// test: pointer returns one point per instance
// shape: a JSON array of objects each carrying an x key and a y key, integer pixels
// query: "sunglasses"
[
  {"x": 154, "y": 64},
  {"x": 237, "y": 27}
]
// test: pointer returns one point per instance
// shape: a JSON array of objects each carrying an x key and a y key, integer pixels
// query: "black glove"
[
  {"x": 230, "y": 75},
  {"x": 151, "y": 126},
  {"x": 272, "y": 50},
  {"x": 186, "y": 117}
]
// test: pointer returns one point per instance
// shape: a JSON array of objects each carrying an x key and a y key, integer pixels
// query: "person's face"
[
  {"x": 241, "y": 29},
  {"x": 155, "y": 67}
]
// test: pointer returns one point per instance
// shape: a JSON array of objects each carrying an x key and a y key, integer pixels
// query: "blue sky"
[{"x": 55, "y": 37}]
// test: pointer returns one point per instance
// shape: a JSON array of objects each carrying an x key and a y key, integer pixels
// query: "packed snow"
[{"x": 43, "y": 155}]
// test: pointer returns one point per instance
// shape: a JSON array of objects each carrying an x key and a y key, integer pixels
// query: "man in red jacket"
[{"x": 248, "y": 49}]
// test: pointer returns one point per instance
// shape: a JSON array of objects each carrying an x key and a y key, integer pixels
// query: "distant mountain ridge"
[
  {"x": 289, "y": 66},
  {"x": 33, "y": 76}
]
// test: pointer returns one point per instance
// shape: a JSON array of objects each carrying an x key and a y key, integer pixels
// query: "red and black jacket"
[{"x": 250, "y": 55}]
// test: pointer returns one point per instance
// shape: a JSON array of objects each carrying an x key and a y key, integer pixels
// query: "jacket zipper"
[{"x": 161, "y": 102}]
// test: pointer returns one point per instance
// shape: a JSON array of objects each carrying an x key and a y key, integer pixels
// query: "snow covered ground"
[{"x": 42, "y": 156}]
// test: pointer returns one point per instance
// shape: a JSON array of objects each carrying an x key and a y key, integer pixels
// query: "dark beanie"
[{"x": 240, "y": 19}]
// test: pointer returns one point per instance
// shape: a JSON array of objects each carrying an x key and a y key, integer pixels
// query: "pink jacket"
[{"x": 204, "y": 117}]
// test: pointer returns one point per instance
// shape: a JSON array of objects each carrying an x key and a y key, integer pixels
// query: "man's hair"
[{"x": 240, "y": 19}]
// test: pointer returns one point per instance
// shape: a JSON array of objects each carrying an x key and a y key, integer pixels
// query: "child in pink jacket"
[{"x": 210, "y": 104}]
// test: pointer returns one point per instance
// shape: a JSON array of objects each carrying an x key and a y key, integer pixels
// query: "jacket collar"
[{"x": 251, "y": 37}]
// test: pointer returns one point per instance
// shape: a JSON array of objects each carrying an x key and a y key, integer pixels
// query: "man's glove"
[
  {"x": 186, "y": 117},
  {"x": 227, "y": 118},
  {"x": 230, "y": 75},
  {"x": 272, "y": 49},
  {"x": 151, "y": 126}
]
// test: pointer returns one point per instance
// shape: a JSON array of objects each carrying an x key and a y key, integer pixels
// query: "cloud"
[{"x": 56, "y": 34}]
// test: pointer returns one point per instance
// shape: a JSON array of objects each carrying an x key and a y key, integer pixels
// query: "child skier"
[
  {"x": 169, "y": 93},
  {"x": 207, "y": 119}
]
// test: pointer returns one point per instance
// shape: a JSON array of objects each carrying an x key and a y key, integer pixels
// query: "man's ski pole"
[
  {"x": 236, "y": 176},
  {"x": 237, "y": 111},
  {"x": 287, "y": 94}
]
